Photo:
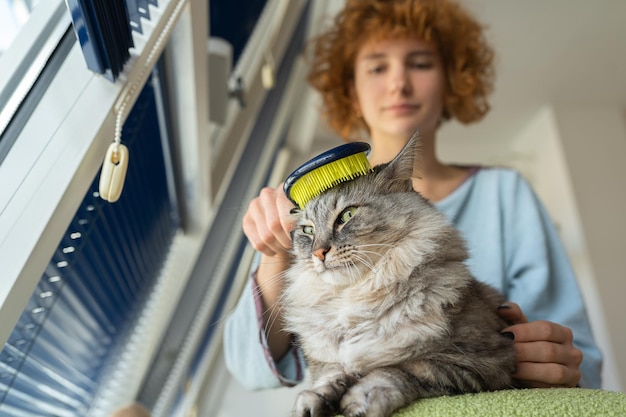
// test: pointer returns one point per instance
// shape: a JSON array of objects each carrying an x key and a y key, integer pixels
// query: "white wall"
[{"x": 593, "y": 141}]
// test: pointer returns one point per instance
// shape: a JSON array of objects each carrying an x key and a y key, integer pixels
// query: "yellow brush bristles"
[{"x": 313, "y": 183}]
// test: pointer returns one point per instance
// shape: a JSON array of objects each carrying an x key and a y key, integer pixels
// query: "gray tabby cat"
[{"x": 382, "y": 303}]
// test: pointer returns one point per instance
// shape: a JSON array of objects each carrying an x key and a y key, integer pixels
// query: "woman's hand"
[
  {"x": 546, "y": 356},
  {"x": 267, "y": 225},
  {"x": 267, "y": 222}
]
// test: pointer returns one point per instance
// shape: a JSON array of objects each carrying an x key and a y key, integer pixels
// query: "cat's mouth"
[
  {"x": 342, "y": 272},
  {"x": 336, "y": 277},
  {"x": 322, "y": 266}
]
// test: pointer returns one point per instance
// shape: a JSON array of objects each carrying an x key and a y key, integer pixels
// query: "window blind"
[
  {"x": 94, "y": 286},
  {"x": 104, "y": 30}
]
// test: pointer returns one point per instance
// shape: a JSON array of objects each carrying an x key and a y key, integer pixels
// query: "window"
[
  {"x": 13, "y": 15},
  {"x": 93, "y": 288},
  {"x": 29, "y": 35},
  {"x": 48, "y": 175}
]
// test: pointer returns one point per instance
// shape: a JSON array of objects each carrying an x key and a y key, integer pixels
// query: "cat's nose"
[{"x": 320, "y": 253}]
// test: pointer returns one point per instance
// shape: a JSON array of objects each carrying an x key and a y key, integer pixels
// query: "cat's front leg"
[
  {"x": 379, "y": 394},
  {"x": 322, "y": 400}
]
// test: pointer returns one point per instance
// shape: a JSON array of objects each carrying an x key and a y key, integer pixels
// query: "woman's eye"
[
  {"x": 376, "y": 69},
  {"x": 346, "y": 215},
  {"x": 421, "y": 64},
  {"x": 308, "y": 230}
]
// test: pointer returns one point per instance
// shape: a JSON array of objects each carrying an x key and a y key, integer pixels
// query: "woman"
[{"x": 385, "y": 69}]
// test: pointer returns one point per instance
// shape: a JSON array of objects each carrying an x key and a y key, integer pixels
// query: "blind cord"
[{"x": 115, "y": 163}]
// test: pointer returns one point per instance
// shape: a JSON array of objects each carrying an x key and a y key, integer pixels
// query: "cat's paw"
[
  {"x": 312, "y": 404},
  {"x": 354, "y": 404},
  {"x": 362, "y": 402}
]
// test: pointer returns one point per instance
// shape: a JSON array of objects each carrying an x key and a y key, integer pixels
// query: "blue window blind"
[
  {"x": 95, "y": 285},
  {"x": 104, "y": 30},
  {"x": 138, "y": 9}
]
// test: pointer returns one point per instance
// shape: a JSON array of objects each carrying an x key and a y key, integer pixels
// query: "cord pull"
[
  {"x": 268, "y": 72},
  {"x": 113, "y": 172}
]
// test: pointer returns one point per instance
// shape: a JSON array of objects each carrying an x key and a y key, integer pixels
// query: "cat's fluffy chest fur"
[{"x": 370, "y": 323}]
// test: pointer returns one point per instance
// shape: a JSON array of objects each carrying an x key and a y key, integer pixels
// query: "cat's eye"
[
  {"x": 346, "y": 215},
  {"x": 308, "y": 230}
]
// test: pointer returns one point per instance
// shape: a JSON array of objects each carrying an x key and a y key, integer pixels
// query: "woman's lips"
[{"x": 402, "y": 108}]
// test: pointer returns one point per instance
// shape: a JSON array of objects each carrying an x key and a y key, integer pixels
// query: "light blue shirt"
[{"x": 513, "y": 246}]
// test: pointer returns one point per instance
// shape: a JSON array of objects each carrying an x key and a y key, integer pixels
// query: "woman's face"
[{"x": 399, "y": 85}]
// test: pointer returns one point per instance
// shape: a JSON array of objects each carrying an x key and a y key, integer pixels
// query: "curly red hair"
[{"x": 466, "y": 56}]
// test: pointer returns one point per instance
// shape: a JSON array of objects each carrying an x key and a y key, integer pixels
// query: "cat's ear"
[{"x": 400, "y": 169}]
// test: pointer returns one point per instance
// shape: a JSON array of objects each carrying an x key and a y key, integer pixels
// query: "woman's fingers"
[
  {"x": 267, "y": 223},
  {"x": 541, "y": 330},
  {"x": 279, "y": 220},
  {"x": 512, "y": 313},
  {"x": 542, "y": 375},
  {"x": 548, "y": 352},
  {"x": 546, "y": 355}
]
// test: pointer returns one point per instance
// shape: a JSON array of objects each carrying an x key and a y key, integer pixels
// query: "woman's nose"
[{"x": 400, "y": 82}]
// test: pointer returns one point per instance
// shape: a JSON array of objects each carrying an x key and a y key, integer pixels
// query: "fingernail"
[
  {"x": 504, "y": 307},
  {"x": 508, "y": 335}
]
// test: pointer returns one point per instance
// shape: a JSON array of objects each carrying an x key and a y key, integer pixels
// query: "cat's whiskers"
[
  {"x": 272, "y": 312},
  {"x": 364, "y": 259},
  {"x": 257, "y": 293},
  {"x": 271, "y": 281},
  {"x": 368, "y": 251},
  {"x": 384, "y": 245},
  {"x": 277, "y": 307},
  {"x": 355, "y": 272},
  {"x": 375, "y": 246}
]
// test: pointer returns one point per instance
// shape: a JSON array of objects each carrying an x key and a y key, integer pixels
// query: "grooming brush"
[{"x": 325, "y": 171}]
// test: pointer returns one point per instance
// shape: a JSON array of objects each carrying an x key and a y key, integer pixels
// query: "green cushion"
[{"x": 523, "y": 402}]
